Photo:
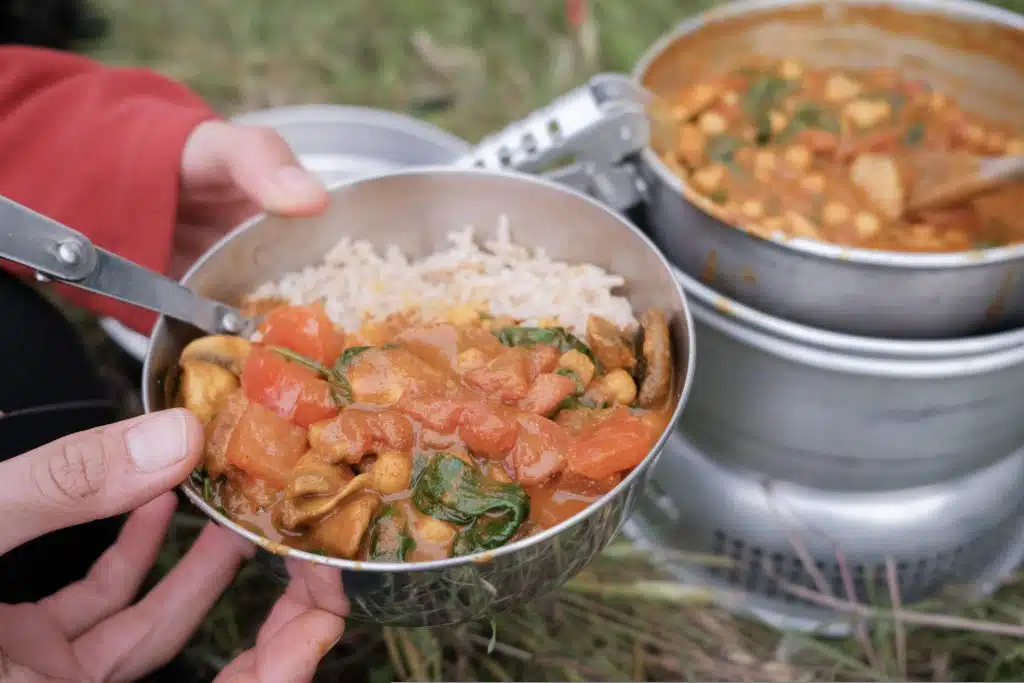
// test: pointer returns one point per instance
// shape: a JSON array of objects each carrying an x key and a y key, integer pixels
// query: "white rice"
[{"x": 356, "y": 283}]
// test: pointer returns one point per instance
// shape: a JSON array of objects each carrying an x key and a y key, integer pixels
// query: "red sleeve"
[{"x": 99, "y": 149}]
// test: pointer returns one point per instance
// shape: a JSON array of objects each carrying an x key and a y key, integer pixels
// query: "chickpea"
[
  {"x": 867, "y": 225},
  {"x": 799, "y": 156},
  {"x": 204, "y": 386},
  {"x": 712, "y": 123},
  {"x": 813, "y": 182},
  {"x": 937, "y": 101},
  {"x": 392, "y": 472},
  {"x": 973, "y": 133},
  {"x": 867, "y": 113},
  {"x": 463, "y": 316},
  {"x": 619, "y": 386},
  {"x": 995, "y": 143},
  {"x": 839, "y": 88},
  {"x": 752, "y": 208},
  {"x": 765, "y": 160},
  {"x": 774, "y": 224},
  {"x": 801, "y": 226},
  {"x": 709, "y": 178},
  {"x": 731, "y": 98},
  {"x": 835, "y": 213},
  {"x": 777, "y": 120},
  {"x": 791, "y": 69},
  {"x": 579, "y": 363},
  {"x": 692, "y": 145},
  {"x": 1015, "y": 146}
]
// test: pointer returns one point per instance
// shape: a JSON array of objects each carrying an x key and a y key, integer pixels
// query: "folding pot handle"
[{"x": 583, "y": 139}]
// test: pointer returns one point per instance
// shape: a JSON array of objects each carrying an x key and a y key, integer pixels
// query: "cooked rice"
[{"x": 358, "y": 284}]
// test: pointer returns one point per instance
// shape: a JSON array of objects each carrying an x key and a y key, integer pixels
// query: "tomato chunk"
[
  {"x": 540, "y": 451},
  {"x": 265, "y": 446},
  {"x": 290, "y": 390},
  {"x": 303, "y": 329},
  {"x": 616, "y": 444}
]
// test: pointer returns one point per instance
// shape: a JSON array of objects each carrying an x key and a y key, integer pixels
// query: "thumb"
[
  {"x": 264, "y": 168},
  {"x": 95, "y": 474}
]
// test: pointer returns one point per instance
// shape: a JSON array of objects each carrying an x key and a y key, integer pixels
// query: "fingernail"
[
  {"x": 157, "y": 442},
  {"x": 292, "y": 180}
]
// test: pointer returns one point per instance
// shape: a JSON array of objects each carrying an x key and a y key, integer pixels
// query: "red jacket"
[{"x": 98, "y": 149}]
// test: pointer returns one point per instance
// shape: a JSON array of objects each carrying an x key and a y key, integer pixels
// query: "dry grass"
[{"x": 492, "y": 61}]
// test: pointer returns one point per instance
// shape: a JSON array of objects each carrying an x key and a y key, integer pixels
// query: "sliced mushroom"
[
  {"x": 342, "y": 533},
  {"x": 608, "y": 344},
  {"x": 657, "y": 353},
  {"x": 302, "y": 511},
  {"x": 219, "y": 431},
  {"x": 204, "y": 387},
  {"x": 220, "y": 349}
]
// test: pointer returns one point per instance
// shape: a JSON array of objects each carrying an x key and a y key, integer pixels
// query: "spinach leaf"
[
  {"x": 914, "y": 134},
  {"x": 389, "y": 539},
  {"x": 723, "y": 148},
  {"x": 813, "y": 115},
  {"x": 719, "y": 197},
  {"x": 453, "y": 491},
  {"x": 558, "y": 337},
  {"x": 764, "y": 93},
  {"x": 341, "y": 390},
  {"x": 571, "y": 374},
  {"x": 347, "y": 356},
  {"x": 202, "y": 480}
]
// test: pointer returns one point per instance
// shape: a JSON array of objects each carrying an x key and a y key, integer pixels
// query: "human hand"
[
  {"x": 230, "y": 172},
  {"x": 91, "y": 630}
]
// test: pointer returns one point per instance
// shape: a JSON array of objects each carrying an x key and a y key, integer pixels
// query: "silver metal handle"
[
  {"x": 56, "y": 252},
  {"x": 595, "y": 128}
]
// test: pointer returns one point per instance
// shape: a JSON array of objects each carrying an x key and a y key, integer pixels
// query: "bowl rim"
[
  {"x": 953, "y": 10},
  {"x": 489, "y": 555}
]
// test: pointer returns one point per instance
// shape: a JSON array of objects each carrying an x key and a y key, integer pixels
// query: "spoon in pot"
[
  {"x": 58, "y": 253},
  {"x": 944, "y": 180}
]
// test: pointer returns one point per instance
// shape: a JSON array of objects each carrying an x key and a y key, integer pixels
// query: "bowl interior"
[
  {"x": 972, "y": 52},
  {"x": 415, "y": 210}
]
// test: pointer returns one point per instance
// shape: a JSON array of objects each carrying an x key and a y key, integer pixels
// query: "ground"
[{"x": 471, "y": 66}]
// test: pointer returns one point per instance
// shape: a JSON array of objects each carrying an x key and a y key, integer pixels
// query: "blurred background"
[{"x": 472, "y": 66}]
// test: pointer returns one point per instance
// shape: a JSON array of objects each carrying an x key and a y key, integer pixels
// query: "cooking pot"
[
  {"x": 415, "y": 210},
  {"x": 973, "y": 51}
]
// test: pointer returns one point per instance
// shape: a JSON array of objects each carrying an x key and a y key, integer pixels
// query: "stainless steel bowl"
[
  {"x": 414, "y": 210},
  {"x": 971, "y": 50}
]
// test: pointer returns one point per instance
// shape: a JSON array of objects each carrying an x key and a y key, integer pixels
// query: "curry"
[
  {"x": 410, "y": 440},
  {"x": 833, "y": 155}
]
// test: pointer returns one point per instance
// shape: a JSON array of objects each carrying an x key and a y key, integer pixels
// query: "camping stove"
[{"x": 959, "y": 534}]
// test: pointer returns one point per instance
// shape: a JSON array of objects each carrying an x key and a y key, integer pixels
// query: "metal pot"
[
  {"x": 971, "y": 50},
  {"x": 843, "y": 413},
  {"x": 414, "y": 210}
]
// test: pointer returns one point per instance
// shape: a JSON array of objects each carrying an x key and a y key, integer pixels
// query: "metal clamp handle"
[
  {"x": 596, "y": 127},
  {"x": 56, "y": 252}
]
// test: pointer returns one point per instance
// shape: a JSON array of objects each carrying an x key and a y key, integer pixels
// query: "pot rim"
[
  {"x": 848, "y": 354},
  {"x": 487, "y": 556},
  {"x": 954, "y": 9}
]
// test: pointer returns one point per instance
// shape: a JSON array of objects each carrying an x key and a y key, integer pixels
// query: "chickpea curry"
[
  {"x": 833, "y": 156},
  {"x": 411, "y": 440}
]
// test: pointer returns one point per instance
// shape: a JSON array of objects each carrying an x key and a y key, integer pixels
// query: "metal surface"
[
  {"x": 805, "y": 408},
  {"x": 970, "y": 50},
  {"x": 591, "y": 131},
  {"x": 414, "y": 210},
  {"x": 964, "y": 535},
  {"x": 337, "y": 143},
  {"x": 56, "y": 252}
]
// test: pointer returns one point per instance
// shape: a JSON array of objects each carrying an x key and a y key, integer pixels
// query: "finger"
[
  {"x": 321, "y": 585},
  {"x": 113, "y": 581},
  {"x": 94, "y": 474},
  {"x": 148, "y": 634},
  {"x": 30, "y": 637},
  {"x": 294, "y": 652},
  {"x": 260, "y": 164}
]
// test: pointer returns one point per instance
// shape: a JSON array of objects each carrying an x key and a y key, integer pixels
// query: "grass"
[{"x": 471, "y": 66}]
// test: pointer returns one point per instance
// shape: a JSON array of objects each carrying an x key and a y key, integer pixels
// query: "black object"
[
  {"x": 50, "y": 389},
  {"x": 56, "y": 24}
]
